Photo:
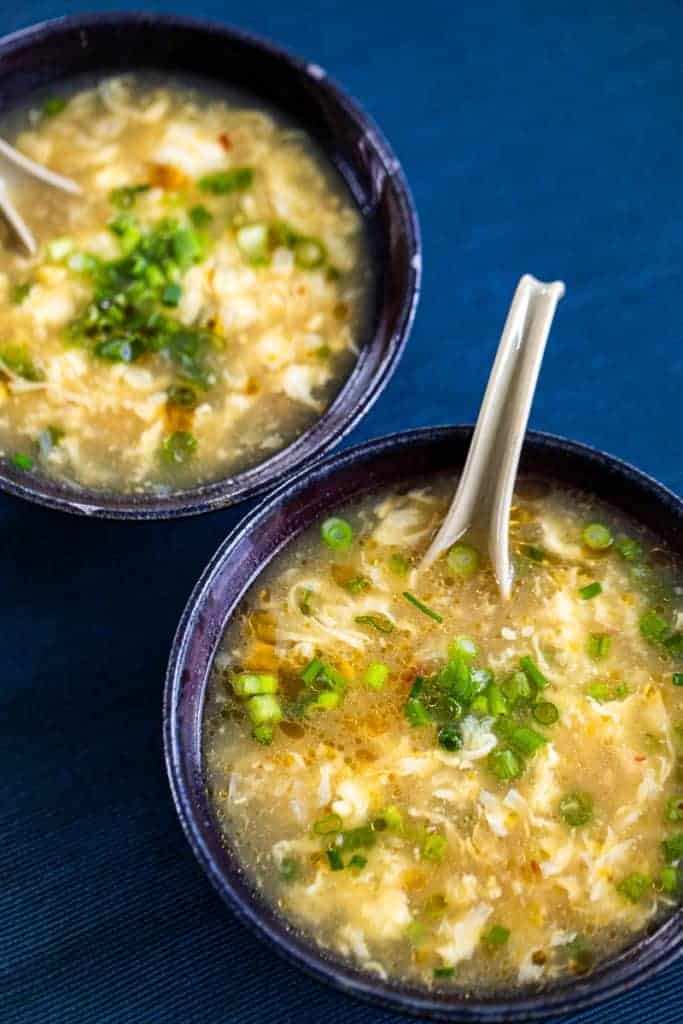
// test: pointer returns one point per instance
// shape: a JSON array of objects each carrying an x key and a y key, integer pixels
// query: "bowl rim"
[
  {"x": 632, "y": 966},
  {"x": 257, "y": 479}
]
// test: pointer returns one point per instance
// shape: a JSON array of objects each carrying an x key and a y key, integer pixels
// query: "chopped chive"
[
  {"x": 449, "y": 737},
  {"x": 463, "y": 560},
  {"x": 305, "y": 601},
  {"x": 677, "y": 679},
  {"x": 264, "y": 709},
  {"x": 597, "y": 536},
  {"x": 673, "y": 848},
  {"x": 335, "y": 861},
  {"x": 312, "y": 671},
  {"x": 392, "y": 818},
  {"x": 289, "y": 869},
  {"x": 497, "y": 935},
  {"x": 415, "y": 601},
  {"x": 358, "y": 862},
  {"x": 200, "y": 216},
  {"x": 504, "y": 764},
  {"x": 462, "y": 646},
  {"x": 589, "y": 591},
  {"x": 525, "y": 740},
  {"x": 22, "y": 461},
  {"x": 337, "y": 533},
  {"x": 415, "y": 933},
  {"x": 545, "y": 712},
  {"x": 178, "y": 448},
  {"x": 376, "y": 675},
  {"x": 399, "y": 565},
  {"x": 534, "y": 553},
  {"x": 171, "y": 294},
  {"x": 598, "y": 646},
  {"x": 444, "y": 972},
  {"x": 518, "y": 689},
  {"x": 357, "y": 585},
  {"x": 434, "y": 847},
  {"x": 533, "y": 672},
  {"x": 182, "y": 395},
  {"x": 251, "y": 685},
  {"x": 630, "y": 550},
  {"x": 654, "y": 627},
  {"x": 674, "y": 808},
  {"x": 124, "y": 197},
  {"x": 668, "y": 880},
  {"x": 328, "y": 825},
  {"x": 576, "y": 808},
  {"x": 18, "y": 292},
  {"x": 223, "y": 182},
  {"x": 634, "y": 886},
  {"x": 263, "y": 733},
  {"x": 53, "y": 105},
  {"x": 496, "y": 702},
  {"x": 379, "y": 622},
  {"x": 309, "y": 253}
]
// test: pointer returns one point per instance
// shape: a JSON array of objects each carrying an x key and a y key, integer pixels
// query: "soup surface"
[
  {"x": 194, "y": 309},
  {"x": 442, "y": 787}
]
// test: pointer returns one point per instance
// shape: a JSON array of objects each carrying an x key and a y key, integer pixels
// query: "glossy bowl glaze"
[
  {"x": 334, "y": 480},
  {"x": 104, "y": 44}
]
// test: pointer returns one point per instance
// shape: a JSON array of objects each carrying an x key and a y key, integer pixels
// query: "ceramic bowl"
[
  {"x": 105, "y": 44},
  {"x": 389, "y": 461}
]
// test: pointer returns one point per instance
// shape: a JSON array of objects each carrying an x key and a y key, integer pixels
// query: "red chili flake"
[
  {"x": 535, "y": 866},
  {"x": 225, "y": 141}
]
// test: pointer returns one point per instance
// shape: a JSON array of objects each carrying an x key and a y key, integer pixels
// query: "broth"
[
  {"x": 441, "y": 787},
  {"x": 195, "y": 309}
]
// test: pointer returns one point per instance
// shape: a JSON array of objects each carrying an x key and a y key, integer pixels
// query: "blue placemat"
[{"x": 537, "y": 136}]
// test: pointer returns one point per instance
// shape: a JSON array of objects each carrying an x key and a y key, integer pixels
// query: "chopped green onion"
[
  {"x": 312, "y": 671},
  {"x": 58, "y": 249},
  {"x": 463, "y": 646},
  {"x": 504, "y": 764},
  {"x": 200, "y": 216},
  {"x": 171, "y": 294},
  {"x": 392, "y": 818},
  {"x": 414, "y": 709},
  {"x": 674, "y": 808},
  {"x": 182, "y": 395},
  {"x": 668, "y": 880},
  {"x": 53, "y": 105},
  {"x": 576, "y": 808},
  {"x": 415, "y": 933},
  {"x": 264, "y": 709},
  {"x": 598, "y": 646},
  {"x": 463, "y": 560},
  {"x": 525, "y": 740},
  {"x": 376, "y": 675},
  {"x": 124, "y": 197},
  {"x": 399, "y": 565},
  {"x": 444, "y": 972},
  {"x": 178, "y": 448},
  {"x": 328, "y": 825},
  {"x": 250, "y": 685},
  {"x": 357, "y": 584},
  {"x": 496, "y": 936},
  {"x": 518, "y": 689},
  {"x": 580, "y": 951},
  {"x": 654, "y": 627},
  {"x": 335, "y": 861},
  {"x": 597, "y": 536},
  {"x": 18, "y": 292},
  {"x": 422, "y": 607},
  {"x": 450, "y": 737},
  {"x": 337, "y": 533},
  {"x": 630, "y": 550},
  {"x": 545, "y": 712},
  {"x": 356, "y": 838},
  {"x": 677, "y": 679},
  {"x": 328, "y": 700},
  {"x": 358, "y": 862},
  {"x": 252, "y": 241},
  {"x": 223, "y": 182},
  {"x": 533, "y": 672},
  {"x": 534, "y": 553},
  {"x": 289, "y": 869},
  {"x": 21, "y": 461},
  {"x": 263, "y": 733},
  {"x": 305, "y": 601},
  {"x": 379, "y": 622},
  {"x": 434, "y": 847},
  {"x": 496, "y": 703},
  {"x": 590, "y": 591},
  {"x": 634, "y": 886},
  {"x": 309, "y": 253},
  {"x": 673, "y": 848}
]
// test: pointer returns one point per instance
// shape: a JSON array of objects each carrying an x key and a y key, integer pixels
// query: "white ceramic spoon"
[
  {"x": 14, "y": 161},
  {"x": 484, "y": 494}
]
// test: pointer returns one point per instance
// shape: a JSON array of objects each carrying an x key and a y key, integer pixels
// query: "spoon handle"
[
  {"x": 484, "y": 494},
  {"x": 36, "y": 170}
]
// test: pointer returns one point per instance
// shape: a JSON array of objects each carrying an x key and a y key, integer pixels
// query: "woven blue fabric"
[{"x": 539, "y": 137}]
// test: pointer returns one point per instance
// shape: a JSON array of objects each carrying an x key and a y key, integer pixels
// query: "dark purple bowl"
[
  {"x": 49, "y": 52},
  {"x": 247, "y": 551}
]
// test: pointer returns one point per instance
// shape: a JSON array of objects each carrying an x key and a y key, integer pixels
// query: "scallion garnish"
[
  {"x": 462, "y": 560},
  {"x": 415, "y": 601},
  {"x": 634, "y": 886},
  {"x": 545, "y": 712},
  {"x": 221, "y": 183},
  {"x": 337, "y": 533},
  {"x": 496, "y": 936},
  {"x": 598, "y": 646},
  {"x": 376, "y": 675},
  {"x": 379, "y": 622},
  {"x": 597, "y": 536},
  {"x": 329, "y": 825},
  {"x": 590, "y": 591},
  {"x": 533, "y": 672},
  {"x": 576, "y": 808},
  {"x": 21, "y": 461},
  {"x": 334, "y": 859}
]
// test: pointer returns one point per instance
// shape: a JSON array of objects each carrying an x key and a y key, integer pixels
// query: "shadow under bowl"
[
  {"x": 386, "y": 462},
  {"x": 56, "y": 51}
]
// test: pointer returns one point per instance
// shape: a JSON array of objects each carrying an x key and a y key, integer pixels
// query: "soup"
[
  {"x": 195, "y": 309},
  {"x": 444, "y": 788}
]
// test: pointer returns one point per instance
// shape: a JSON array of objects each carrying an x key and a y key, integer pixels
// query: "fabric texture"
[{"x": 539, "y": 137}]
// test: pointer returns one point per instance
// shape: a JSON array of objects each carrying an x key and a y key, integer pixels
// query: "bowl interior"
[
  {"x": 106, "y": 44},
  {"x": 238, "y": 562}
]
